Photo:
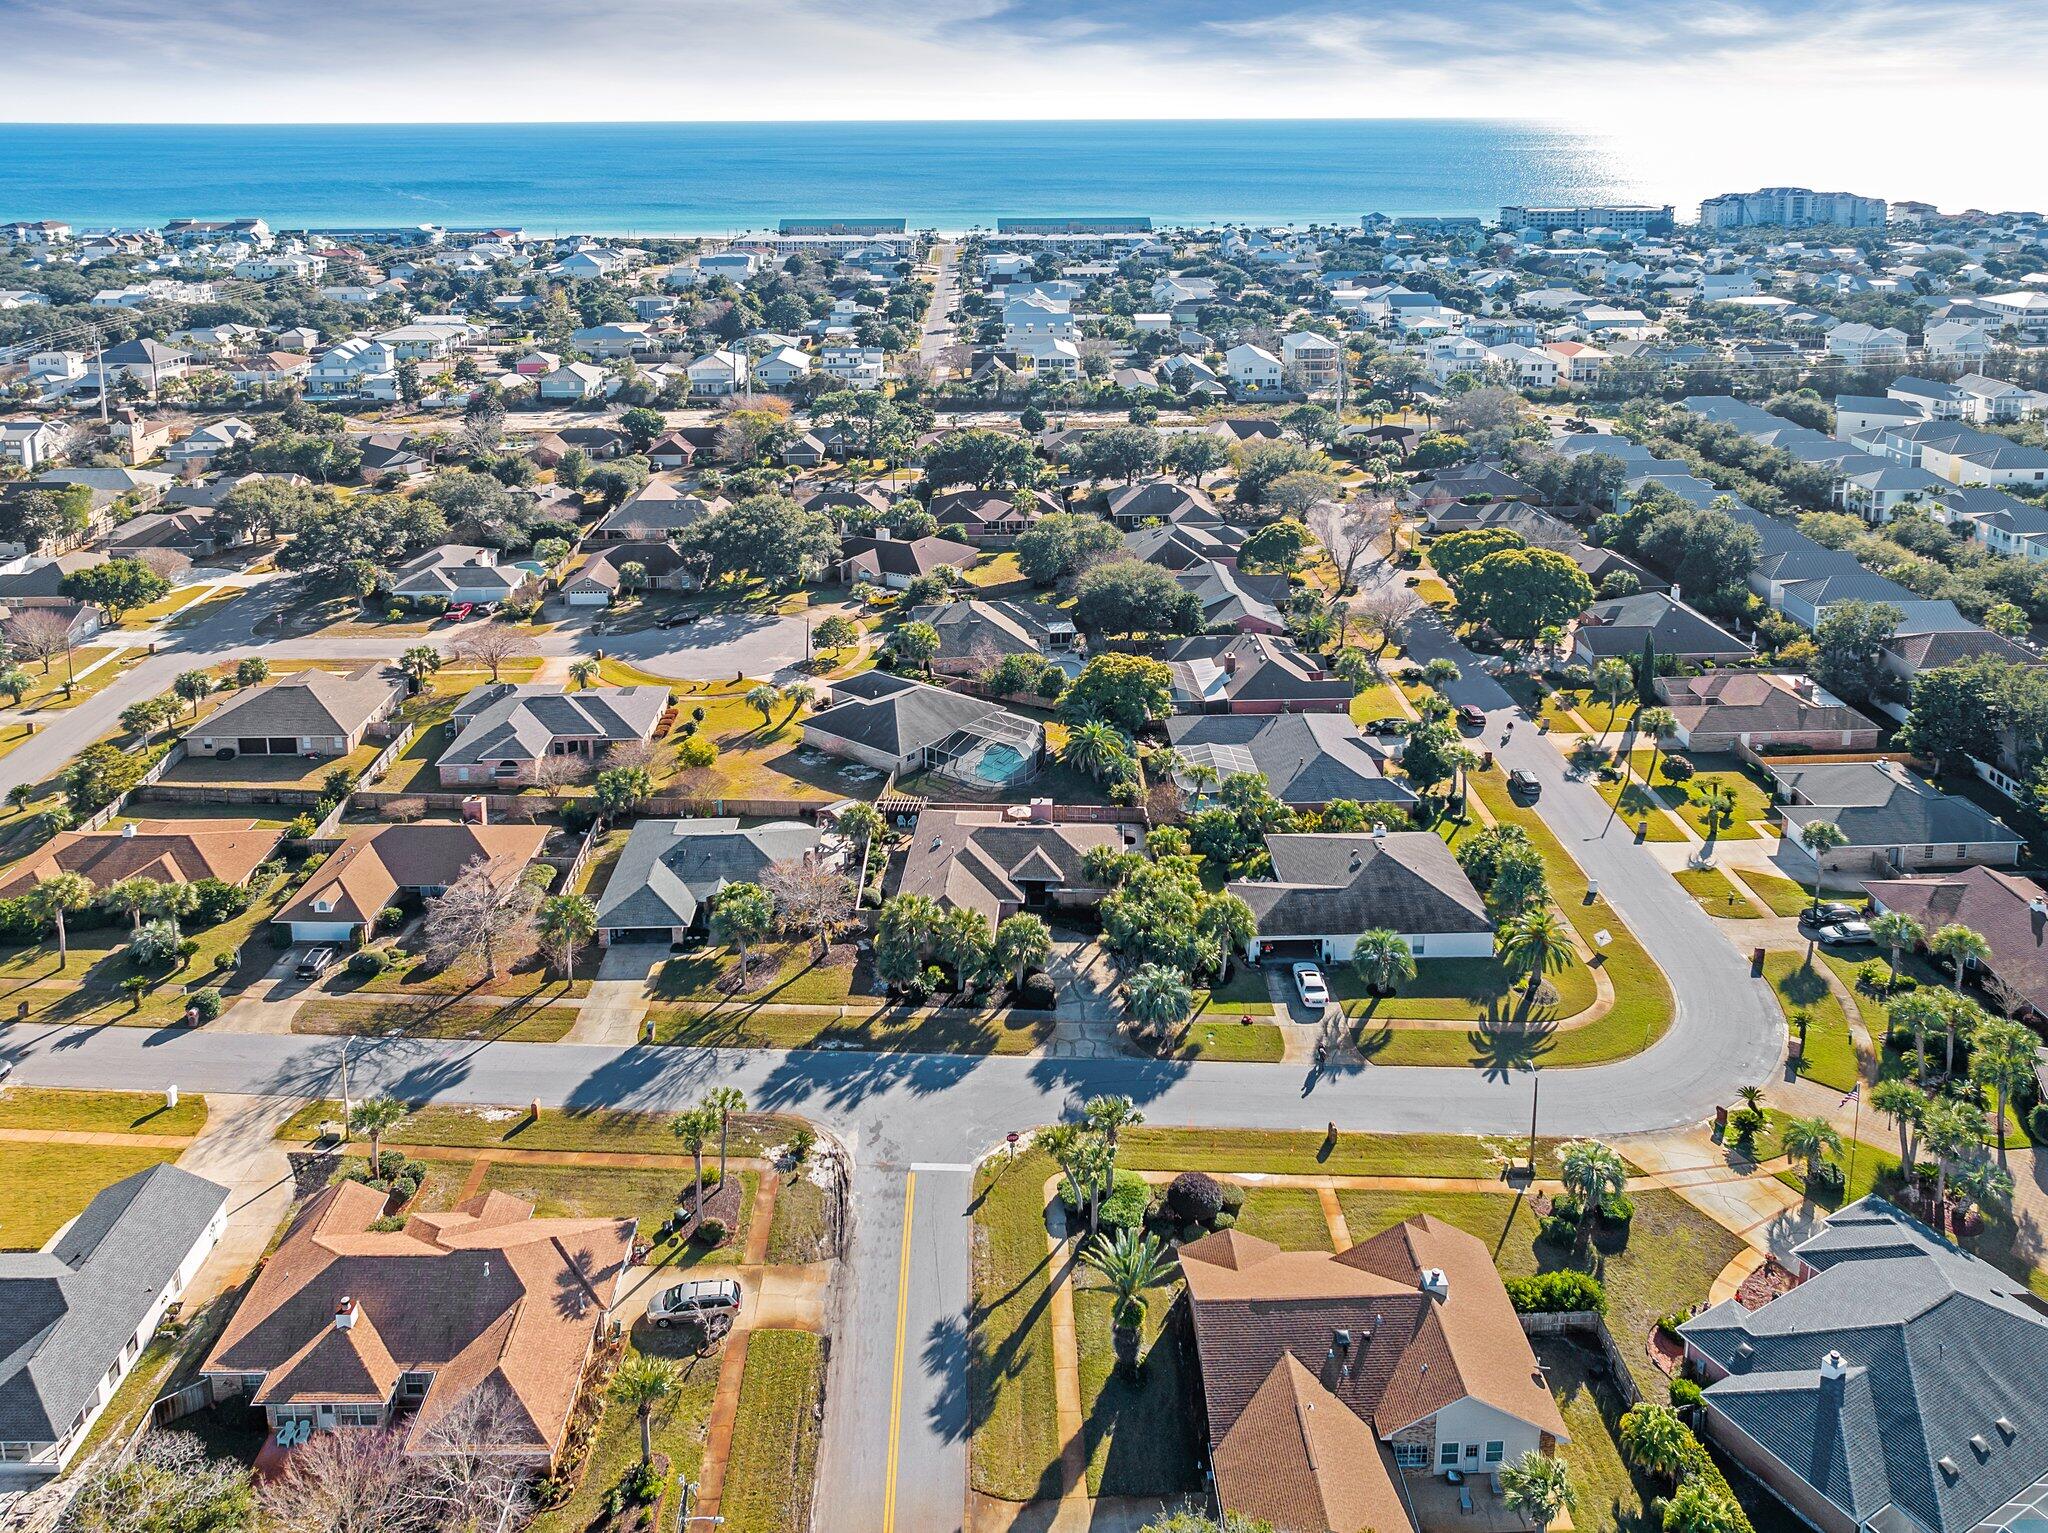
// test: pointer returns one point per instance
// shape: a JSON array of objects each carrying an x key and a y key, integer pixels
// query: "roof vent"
[
  {"x": 323, "y": 905},
  {"x": 1949, "y": 1471},
  {"x": 2039, "y": 907},
  {"x": 1436, "y": 1283},
  {"x": 1379, "y": 832},
  {"x": 2006, "y": 1429},
  {"x": 345, "y": 1313},
  {"x": 1979, "y": 1446},
  {"x": 1340, "y": 1340}
]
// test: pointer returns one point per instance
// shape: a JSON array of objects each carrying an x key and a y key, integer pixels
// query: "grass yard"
[
  {"x": 47, "y": 1185},
  {"x": 997, "y": 572},
  {"x": 1015, "y": 1452},
  {"x": 1666, "y": 1259},
  {"x": 1310, "y": 1152},
  {"x": 100, "y": 1112},
  {"x": 1611, "y": 1498},
  {"x": 1458, "y": 990},
  {"x": 1225, "y": 1038},
  {"x": 1801, "y": 987},
  {"x": 895, "y": 1029},
  {"x": 800, "y": 1229},
  {"x": 649, "y": 1194},
  {"x": 90, "y": 669},
  {"x": 1380, "y": 700},
  {"x": 170, "y": 606},
  {"x": 1752, "y": 801},
  {"x": 774, "y": 1456},
  {"x": 1639, "y": 806},
  {"x": 612, "y": 1130},
  {"x": 1140, "y": 1436},
  {"x": 512, "y": 1022},
  {"x": 293, "y": 773},
  {"x": 1717, "y": 893},
  {"x": 1783, "y": 895},
  {"x": 799, "y": 977},
  {"x": 1244, "y": 991},
  {"x": 529, "y": 980},
  {"x": 1290, "y": 1217},
  {"x": 1559, "y": 706},
  {"x": 678, "y": 1432}
]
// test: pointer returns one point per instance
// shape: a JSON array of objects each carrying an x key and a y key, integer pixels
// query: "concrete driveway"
[{"x": 715, "y": 647}]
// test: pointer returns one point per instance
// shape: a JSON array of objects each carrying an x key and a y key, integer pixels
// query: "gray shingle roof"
[
  {"x": 65, "y": 1313},
  {"x": 502, "y": 722},
  {"x": 1307, "y": 758},
  {"x": 892, "y": 714},
  {"x": 306, "y": 703},
  {"x": 669, "y": 868},
  {"x": 1406, "y": 881}
]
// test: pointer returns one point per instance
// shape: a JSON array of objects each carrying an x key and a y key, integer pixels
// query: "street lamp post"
[{"x": 1535, "y": 1097}]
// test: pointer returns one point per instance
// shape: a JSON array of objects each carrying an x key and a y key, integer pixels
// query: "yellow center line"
[{"x": 896, "y": 1368}]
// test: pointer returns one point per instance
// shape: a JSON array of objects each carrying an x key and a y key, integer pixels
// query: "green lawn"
[
  {"x": 1309, "y": 1152},
  {"x": 1666, "y": 1259},
  {"x": 1800, "y": 986},
  {"x": 679, "y": 1433},
  {"x": 1244, "y": 991},
  {"x": 106, "y": 1112},
  {"x": 1785, "y": 897},
  {"x": 398, "y": 1017},
  {"x": 602, "y": 1129},
  {"x": 799, "y": 977},
  {"x": 1380, "y": 700},
  {"x": 47, "y": 1185},
  {"x": 1638, "y": 805},
  {"x": 799, "y": 1230},
  {"x": 894, "y": 1030},
  {"x": 1141, "y": 1436},
  {"x": 774, "y": 1453},
  {"x": 649, "y": 1195},
  {"x": 1716, "y": 893},
  {"x": 1225, "y": 1038},
  {"x": 1290, "y": 1217},
  {"x": 1015, "y": 1453},
  {"x": 1611, "y": 1497},
  {"x": 1458, "y": 990},
  {"x": 1752, "y": 801}
]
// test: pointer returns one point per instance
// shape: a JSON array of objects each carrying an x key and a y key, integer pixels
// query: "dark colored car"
[
  {"x": 1472, "y": 716},
  {"x": 1523, "y": 784}
]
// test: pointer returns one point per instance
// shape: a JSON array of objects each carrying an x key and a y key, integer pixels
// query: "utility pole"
[{"x": 1535, "y": 1097}]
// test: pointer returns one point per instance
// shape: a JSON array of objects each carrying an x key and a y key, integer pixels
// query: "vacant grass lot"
[
  {"x": 774, "y": 1453},
  {"x": 103, "y": 1112}
]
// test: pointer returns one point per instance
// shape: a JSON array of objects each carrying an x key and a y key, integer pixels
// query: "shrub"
[
  {"x": 1558, "y": 1230},
  {"x": 1037, "y": 992},
  {"x": 2037, "y": 1123},
  {"x": 1233, "y": 1197},
  {"x": 390, "y": 918},
  {"x": 1557, "y": 1293},
  {"x": 1745, "y": 1122},
  {"x": 801, "y": 1143},
  {"x": 368, "y": 962},
  {"x": 1618, "y": 1209},
  {"x": 1124, "y": 1208},
  {"x": 1685, "y": 1394},
  {"x": 643, "y": 1482},
  {"x": 1669, "y": 1323},
  {"x": 215, "y": 901},
  {"x": 1195, "y": 1197},
  {"x": 301, "y": 826},
  {"x": 1828, "y": 1181},
  {"x": 1225, "y": 1220},
  {"x": 157, "y": 943},
  {"x": 697, "y": 752},
  {"x": 204, "y": 1004},
  {"x": 711, "y": 1232}
]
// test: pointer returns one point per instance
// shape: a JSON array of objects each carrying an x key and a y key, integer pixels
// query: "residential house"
[
  {"x": 883, "y": 559},
  {"x": 1899, "y": 1384},
  {"x": 1333, "y": 1384},
  {"x": 1311, "y": 359},
  {"x": 782, "y": 368},
  {"x": 615, "y": 340},
  {"x": 76, "y": 1315},
  {"x": 1618, "y": 627},
  {"x": 1309, "y": 760},
  {"x": 1895, "y": 822},
  {"x": 145, "y": 362},
  {"x": 31, "y": 444},
  {"x": 1253, "y": 369},
  {"x": 716, "y": 373},
  {"x": 502, "y": 729},
  {"x": 1160, "y": 500},
  {"x": 1328, "y": 890},
  {"x": 1184, "y": 545},
  {"x": 206, "y": 442},
  {"x": 1861, "y": 345},
  {"x": 661, "y": 508},
  {"x": 669, "y": 871},
  {"x": 897, "y": 725},
  {"x": 984, "y": 861},
  {"x": 1251, "y": 673},
  {"x": 163, "y": 851},
  {"x": 458, "y": 573},
  {"x": 375, "y": 868},
  {"x": 349, "y": 1326},
  {"x": 976, "y": 633},
  {"x": 306, "y": 713},
  {"x": 602, "y": 576},
  {"x": 989, "y": 516},
  {"x": 573, "y": 381},
  {"x": 1248, "y": 603},
  {"x": 356, "y": 368},
  {"x": 1762, "y": 711}
]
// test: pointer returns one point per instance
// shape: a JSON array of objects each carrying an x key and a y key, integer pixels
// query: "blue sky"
[{"x": 1668, "y": 74}]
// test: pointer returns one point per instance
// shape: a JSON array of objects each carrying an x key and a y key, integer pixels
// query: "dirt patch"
[{"x": 1765, "y": 1284}]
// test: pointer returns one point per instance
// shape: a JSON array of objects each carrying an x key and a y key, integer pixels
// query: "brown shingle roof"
[
  {"x": 169, "y": 851},
  {"x": 1299, "y": 1460},
  {"x": 372, "y": 866},
  {"x": 484, "y": 1293}
]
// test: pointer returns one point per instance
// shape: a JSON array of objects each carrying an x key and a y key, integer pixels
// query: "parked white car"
[{"x": 1308, "y": 983}]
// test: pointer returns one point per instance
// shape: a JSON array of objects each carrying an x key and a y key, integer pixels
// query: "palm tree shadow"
[{"x": 1505, "y": 1049}]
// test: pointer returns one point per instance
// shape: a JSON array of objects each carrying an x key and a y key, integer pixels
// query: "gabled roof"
[
  {"x": 306, "y": 703},
  {"x": 371, "y": 866},
  {"x": 1306, "y": 758},
  {"x": 168, "y": 851},
  {"x": 1998, "y": 904},
  {"x": 999, "y": 626},
  {"x": 897, "y": 715},
  {"x": 979, "y": 860},
  {"x": 503, "y": 722},
  {"x": 669, "y": 868},
  {"x": 1405, "y": 881}
]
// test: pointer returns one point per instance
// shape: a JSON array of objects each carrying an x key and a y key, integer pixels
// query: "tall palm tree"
[
  {"x": 1808, "y": 1139},
  {"x": 1960, "y": 1017},
  {"x": 372, "y": 1116},
  {"x": 1157, "y": 997},
  {"x": 693, "y": 1127},
  {"x": 1023, "y": 942},
  {"x": 1906, "y": 1105},
  {"x": 1093, "y": 748},
  {"x": 1613, "y": 679},
  {"x": 1896, "y": 932},
  {"x": 1820, "y": 837},
  {"x": 1961, "y": 946},
  {"x": 131, "y": 897},
  {"x": 1109, "y": 1116},
  {"x": 1953, "y": 1130},
  {"x": 567, "y": 922},
  {"x": 1592, "y": 1173},
  {"x": 1383, "y": 960},
  {"x": 1131, "y": 1261},
  {"x": 721, "y": 1102},
  {"x": 1538, "y": 1487},
  {"x": 1535, "y": 943},
  {"x": 799, "y": 695},
  {"x": 584, "y": 672},
  {"x": 1658, "y": 724},
  {"x": 648, "y": 1385},
  {"x": 1227, "y": 924},
  {"x": 762, "y": 697},
  {"x": 2002, "y": 1058},
  {"x": 1918, "y": 1010},
  {"x": 1719, "y": 802},
  {"x": 58, "y": 895}
]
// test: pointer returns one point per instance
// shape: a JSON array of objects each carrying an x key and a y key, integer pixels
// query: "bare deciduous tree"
[
  {"x": 810, "y": 899},
  {"x": 39, "y": 634},
  {"x": 553, "y": 773},
  {"x": 1381, "y": 614},
  {"x": 472, "y": 1469},
  {"x": 1347, "y": 529},
  {"x": 491, "y": 646},
  {"x": 481, "y": 913},
  {"x": 631, "y": 754},
  {"x": 352, "y": 1481},
  {"x": 406, "y": 810},
  {"x": 163, "y": 561}
]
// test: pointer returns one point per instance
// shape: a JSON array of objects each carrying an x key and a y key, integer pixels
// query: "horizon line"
[{"x": 760, "y": 122}]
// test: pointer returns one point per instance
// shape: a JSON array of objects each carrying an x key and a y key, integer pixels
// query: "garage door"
[{"x": 1290, "y": 949}]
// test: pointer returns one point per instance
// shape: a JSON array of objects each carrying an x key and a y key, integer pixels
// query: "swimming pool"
[{"x": 998, "y": 763}]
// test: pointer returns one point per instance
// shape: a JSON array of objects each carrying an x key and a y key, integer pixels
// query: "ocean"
[{"x": 716, "y": 178}]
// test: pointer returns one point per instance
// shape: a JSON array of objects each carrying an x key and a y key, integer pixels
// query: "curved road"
[{"x": 928, "y": 1117}]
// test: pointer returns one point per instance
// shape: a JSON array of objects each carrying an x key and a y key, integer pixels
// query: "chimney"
[
  {"x": 1379, "y": 832},
  {"x": 1834, "y": 1368},
  {"x": 128, "y": 831},
  {"x": 1230, "y": 663},
  {"x": 881, "y": 533},
  {"x": 1436, "y": 1283},
  {"x": 345, "y": 1313}
]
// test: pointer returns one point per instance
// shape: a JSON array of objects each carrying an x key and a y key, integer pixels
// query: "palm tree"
[
  {"x": 1960, "y": 946},
  {"x": 763, "y": 696},
  {"x": 1960, "y": 1016},
  {"x": 1654, "y": 1439},
  {"x": 584, "y": 672},
  {"x": 1820, "y": 837},
  {"x": 567, "y": 921},
  {"x": 1808, "y": 1139},
  {"x": 1227, "y": 924},
  {"x": 694, "y": 1129},
  {"x": 1535, "y": 943},
  {"x": 1752, "y": 1098},
  {"x": 799, "y": 695},
  {"x": 1918, "y": 1010},
  {"x": 1537, "y": 1487},
  {"x": 1064, "y": 1143},
  {"x": 1022, "y": 943},
  {"x": 1383, "y": 960},
  {"x": 1130, "y": 1262},
  {"x": 1953, "y": 1130},
  {"x": 1896, "y": 931},
  {"x": 420, "y": 662},
  {"x": 55, "y": 897},
  {"x": 1906, "y": 1105},
  {"x": 1201, "y": 778},
  {"x": 1719, "y": 802},
  {"x": 1592, "y": 1173},
  {"x": 646, "y": 1384},
  {"x": 1441, "y": 672},
  {"x": 722, "y": 1102},
  {"x": 131, "y": 897},
  {"x": 1658, "y": 724},
  {"x": 372, "y": 1116},
  {"x": 2002, "y": 1058},
  {"x": 1158, "y": 998},
  {"x": 1109, "y": 1116},
  {"x": 1093, "y": 748},
  {"x": 1613, "y": 679}
]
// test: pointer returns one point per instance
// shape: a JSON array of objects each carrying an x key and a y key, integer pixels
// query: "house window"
[
  {"x": 1495, "y": 1452},
  {"x": 1449, "y": 1456},
  {"x": 1411, "y": 1455}
]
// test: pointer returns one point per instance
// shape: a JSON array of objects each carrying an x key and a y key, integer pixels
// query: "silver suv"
[{"x": 695, "y": 1300}]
